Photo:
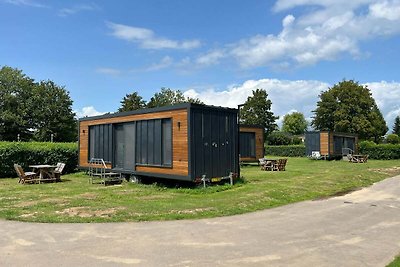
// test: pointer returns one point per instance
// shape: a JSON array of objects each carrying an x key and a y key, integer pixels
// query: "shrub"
[
  {"x": 29, "y": 153},
  {"x": 393, "y": 139},
  {"x": 286, "y": 151},
  {"x": 279, "y": 139},
  {"x": 381, "y": 151}
]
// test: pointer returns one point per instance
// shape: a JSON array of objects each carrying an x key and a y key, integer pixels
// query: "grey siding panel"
[
  {"x": 167, "y": 142},
  {"x": 157, "y": 142},
  {"x": 100, "y": 143},
  {"x": 312, "y": 142}
]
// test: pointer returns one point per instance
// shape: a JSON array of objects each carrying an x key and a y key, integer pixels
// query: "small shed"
[
  {"x": 181, "y": 142},
  {"x": 251, "y": 143},
  {"x": 331, "y": 144}
]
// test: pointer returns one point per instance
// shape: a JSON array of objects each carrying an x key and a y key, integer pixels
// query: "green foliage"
[
  {"x": 34, "y": 110},
  {"x": 30, "y": 153},
  {"x": 392, "y": 139},
  {"x": 257, "y": 111},
  {"x": 349, "y": 107},
  {"x": 279, "y": 138},
  {"x": 294, "y": 123},
  {"x": 380, "y": 151},
  {"x": 286, "y": 151},
  {"x": 132, "y": 101},
  {"x": 53, "y": 113},
  {"x": 396, "y": 126},
  {"x": 169, "y": 97}
]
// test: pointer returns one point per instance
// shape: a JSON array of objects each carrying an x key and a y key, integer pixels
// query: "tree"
[
  {"x": 396, "y": 126},
  {"x": 34, "y": 110},
  {"x": 53, "y": 113},
  {"x": 169, "y": 97},
  {"x": 16, "y": 93},
  {"x": 257, "y": 111},
  {"x": 349, "y": 107},
  {"x": 392, "y": 139},
  {"x": 132, "y": 101},
  {"x": 294, "y": 123}
]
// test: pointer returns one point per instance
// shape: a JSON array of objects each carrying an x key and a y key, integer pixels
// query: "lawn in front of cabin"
[{"x": 76, "y": 200}]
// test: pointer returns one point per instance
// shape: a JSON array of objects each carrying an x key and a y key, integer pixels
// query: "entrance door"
[{"x": 124, "y": 149}]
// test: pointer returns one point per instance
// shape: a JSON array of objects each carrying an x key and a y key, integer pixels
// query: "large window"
[
  {"x": 100, "y": 142},
  {"x": 154, "y": 142},
  {"x": 247, "y": 147}
]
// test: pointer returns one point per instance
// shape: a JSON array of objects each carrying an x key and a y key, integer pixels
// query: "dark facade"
[
  {"x": 330, "y": 144},
  {"x": 251, "y": 143},
  {"x": 182, "y": 142}
]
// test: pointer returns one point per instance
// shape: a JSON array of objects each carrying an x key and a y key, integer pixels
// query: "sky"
[{"x": 218, "y": 51}]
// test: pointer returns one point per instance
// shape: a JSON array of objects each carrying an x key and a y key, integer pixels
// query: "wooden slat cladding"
[
  {"x": 259, "y": 135},
  {"x": 179, "y": 139},
  {"x": 324, "y": 143}
]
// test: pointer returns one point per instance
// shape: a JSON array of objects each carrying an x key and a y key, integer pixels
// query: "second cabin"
[
  {"x": 331, "y": 144},
  {"x": 182, "y": 142},
  {"x": 251, "y": 143}
]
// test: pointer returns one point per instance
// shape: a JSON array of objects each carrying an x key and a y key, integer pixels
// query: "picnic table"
[
  {"x": 358, "y": 158},
  {"x": 46, "y": 172}
]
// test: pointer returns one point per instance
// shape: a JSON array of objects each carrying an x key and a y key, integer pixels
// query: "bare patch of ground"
[
  {"x": 84, "y": 212},
  {"x": 388, "y": 171}
]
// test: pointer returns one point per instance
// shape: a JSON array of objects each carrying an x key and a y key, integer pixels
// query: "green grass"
[
  {"x": 395, "y": 263},
  {"x": 75, "y": 200}
]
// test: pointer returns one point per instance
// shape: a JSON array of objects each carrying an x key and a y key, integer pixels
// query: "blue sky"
[{"x": 218, "y": 51}]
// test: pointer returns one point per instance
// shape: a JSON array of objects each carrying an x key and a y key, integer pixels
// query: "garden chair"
[
  {"x": 24, "y": 177},
  {"x": 280, "y": 165},
  {"x": 58, "y": 171},
  {"x": 261, "y": 162}
]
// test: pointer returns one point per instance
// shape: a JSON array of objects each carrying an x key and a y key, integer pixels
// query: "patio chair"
[
  {"x": 261, "y": 162},
  {"x": 58, "y": 171},
  {"x": 280, "y": 165},
  {"x": 24, "y": 177}
]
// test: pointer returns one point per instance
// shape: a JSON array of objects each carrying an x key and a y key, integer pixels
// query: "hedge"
[
  {"x": 30, "y": 153},
  {"x": 286, "y": 151},
  {"x": 380, "y": 151}
]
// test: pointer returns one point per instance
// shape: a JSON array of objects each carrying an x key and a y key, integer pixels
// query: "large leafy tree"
[
  {"x": 257, "y": 111},
  {"x": 16, "y": 98},
  {"x": 349, "y": 107},
  {"x": 34, "y": 110},
  {"x": 53, "y": 113},
  {"x": 294, "y": 123},
  {"x": 132, "y": 101},
  {"x": 396, "y": 126},
  {"x": 168, "y": 97}
]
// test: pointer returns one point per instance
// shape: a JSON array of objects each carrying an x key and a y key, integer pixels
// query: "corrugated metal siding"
[
  {"x": 312, "y": 142},
  {"x": 213, "y": 141}
]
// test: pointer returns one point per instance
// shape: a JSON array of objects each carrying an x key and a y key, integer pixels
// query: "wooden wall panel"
[
  {"x": 259, "y": 135},
  {"x": 324, "y": 143},
  {"x": 180, "y": 153}
]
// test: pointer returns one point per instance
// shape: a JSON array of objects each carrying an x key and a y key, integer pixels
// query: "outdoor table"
[
  {"x": 270, "y": 163},
  {"x": 45, "y": 172}
]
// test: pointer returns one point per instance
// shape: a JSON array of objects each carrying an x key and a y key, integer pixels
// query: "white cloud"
[
  {"x": 147, "y": 39},
  {"x": 211, "y": 58},
  {"x": 300, "y": 95},
  {"x": 30, "y": 3},
  {"x": 64, "y": 12},
  {"x": 326, "y": 30},
  {"x": 165, "y": 62},
  {"x": 109, "y": 71},
  {"x": 88, "y": 112}
]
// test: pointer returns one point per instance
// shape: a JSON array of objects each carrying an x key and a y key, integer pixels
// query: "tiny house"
[
  {"x": 331, "y": 144},
  {"x": 181, "y": 142},
  {"x": 251, "y": 143}
]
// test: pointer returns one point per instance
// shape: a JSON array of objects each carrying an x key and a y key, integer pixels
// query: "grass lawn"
[
  {"x": 395, "y": 263},
  {"x": 75, "y": 200}
]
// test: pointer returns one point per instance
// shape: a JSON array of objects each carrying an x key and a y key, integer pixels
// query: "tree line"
[{"x": 31, "y": 110}]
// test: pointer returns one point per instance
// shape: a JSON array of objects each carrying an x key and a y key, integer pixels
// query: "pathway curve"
[{"x": 359, "y": 229}]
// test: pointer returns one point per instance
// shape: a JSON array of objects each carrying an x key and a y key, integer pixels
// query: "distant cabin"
[
  {"x": 331, "y": 144},
  {"x": 251, "y": 143},
  {"x": 181, "y": 142}
]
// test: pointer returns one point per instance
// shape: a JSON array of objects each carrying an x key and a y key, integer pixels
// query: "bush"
[
  {"x": 286, "y": 151},
  {"x": 381, "y": 151},
  {"x": 393, "y": 139},
  {"x": 279, "y": 139},
  {"x": 29, "y": 153}
]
